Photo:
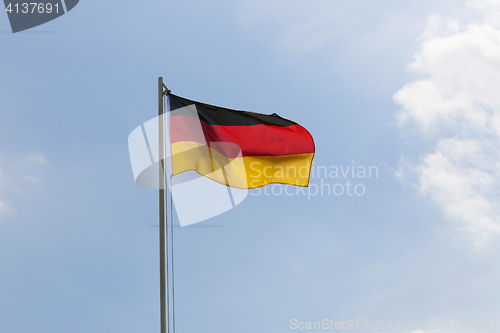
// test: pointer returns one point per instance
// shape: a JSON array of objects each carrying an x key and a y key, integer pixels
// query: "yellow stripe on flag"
[{"x": 241, "y": 172}]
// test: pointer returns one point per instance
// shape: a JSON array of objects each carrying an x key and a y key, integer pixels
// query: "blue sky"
[{"x": 404, "y": 86}]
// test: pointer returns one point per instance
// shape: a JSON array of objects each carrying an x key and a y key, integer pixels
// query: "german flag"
[{"x": 237, "y": 148}]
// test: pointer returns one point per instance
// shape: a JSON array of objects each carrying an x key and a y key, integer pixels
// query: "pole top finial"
[{"x": 166, "y": 91}]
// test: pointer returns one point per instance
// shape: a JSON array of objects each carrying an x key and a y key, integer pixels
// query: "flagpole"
[{"x": 161, "y": 164}]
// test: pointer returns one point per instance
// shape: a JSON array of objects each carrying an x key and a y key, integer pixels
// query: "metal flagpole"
[{"x": 163, "y": 280}]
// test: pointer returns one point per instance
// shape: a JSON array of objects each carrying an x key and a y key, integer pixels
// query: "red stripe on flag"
[{"x": 254, "y": 140}]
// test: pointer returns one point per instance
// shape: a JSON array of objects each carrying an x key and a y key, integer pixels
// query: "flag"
[{"x": 238, "y": 149}]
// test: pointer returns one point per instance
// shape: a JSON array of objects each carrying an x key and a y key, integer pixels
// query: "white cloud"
[
  {"x": 490, "y": 9},
  {"x": 31, "y": 179},
  {"x": 456, "y": 106},
  {"x": 363, "y": 43},
  {"x": 461, "y": 178},
  {"x": 16, "y": 173},
  {"x": 33, "y": 158},
  {"x": 5, "y": 206},
  {"x": 293, "y": 24},
  {"x": 370, "y": 27},
  {"x": 329, "y": 29}
]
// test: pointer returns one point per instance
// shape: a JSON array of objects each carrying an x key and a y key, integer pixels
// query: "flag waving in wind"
[
  {"x": 238, "y": 149},
  {"x": 212, "y": 156}
]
